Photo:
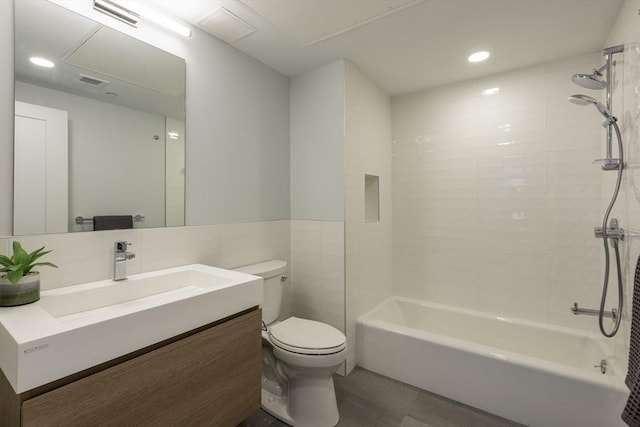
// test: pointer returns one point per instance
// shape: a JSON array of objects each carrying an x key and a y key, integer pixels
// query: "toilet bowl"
[{"x": 299, "y": 357}]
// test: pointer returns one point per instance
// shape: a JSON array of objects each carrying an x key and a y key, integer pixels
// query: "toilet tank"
[{"x": 271, "y": 273}]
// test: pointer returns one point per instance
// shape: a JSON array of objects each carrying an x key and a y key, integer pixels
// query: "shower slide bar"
[{"x": 613, "y": 314}]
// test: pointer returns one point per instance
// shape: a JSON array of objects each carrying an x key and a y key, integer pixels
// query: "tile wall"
[
  {"x": 495, "y": 196},
  {"x": 317, "y": 271},
  {"x": 368, "y": 244}
]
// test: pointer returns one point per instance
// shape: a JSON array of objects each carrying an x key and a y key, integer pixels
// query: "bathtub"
[{"x": 525, "y": 371}]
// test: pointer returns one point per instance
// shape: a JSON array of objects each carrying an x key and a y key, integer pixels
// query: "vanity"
[{"x": 181, "y": 346}]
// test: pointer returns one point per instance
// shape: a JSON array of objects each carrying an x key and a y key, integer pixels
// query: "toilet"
[{"x": 299, "y": 358}]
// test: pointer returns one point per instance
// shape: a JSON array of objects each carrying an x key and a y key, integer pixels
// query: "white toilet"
[{"x": 299, "y": 358}]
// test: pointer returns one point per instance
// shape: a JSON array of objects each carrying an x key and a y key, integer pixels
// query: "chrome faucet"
[{"x": 120, "y": 257}]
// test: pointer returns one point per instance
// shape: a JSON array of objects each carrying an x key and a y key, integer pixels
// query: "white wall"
[
  {"x": 237, "y": 136},
  {"x": 495, "y": 197},
  {"x": 317, "y": 143},
  {"x": 368, "y": 244},
  {"x": 116, "y": 167}
]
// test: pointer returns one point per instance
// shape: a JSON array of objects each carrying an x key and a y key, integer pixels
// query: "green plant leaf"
[
  {"x": 21, "y": 262},
  {"x": 48, "y": 264},
  {"x": 20, "y": 256},
  {"x": 36, "y": 254},
  {"x": 15, "y": 276},
  {"x": 6, "y": 261}
]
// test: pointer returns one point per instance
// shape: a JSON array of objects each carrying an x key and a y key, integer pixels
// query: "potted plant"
[{"x": 19, "y": 284}]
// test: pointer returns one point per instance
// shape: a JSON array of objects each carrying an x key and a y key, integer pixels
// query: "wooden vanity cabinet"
[{"x": 207, "y": 377}]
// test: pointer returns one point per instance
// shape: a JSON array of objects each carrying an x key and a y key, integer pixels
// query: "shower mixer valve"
[{"x": 613, "y": 231}]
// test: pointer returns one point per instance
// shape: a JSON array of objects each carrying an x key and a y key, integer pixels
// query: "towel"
[
  {"x": 112, "y": 222},
  {"x": 631, "y": 413}
]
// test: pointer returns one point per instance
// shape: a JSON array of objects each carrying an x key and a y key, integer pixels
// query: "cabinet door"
[{"x": 212, "y": 378}]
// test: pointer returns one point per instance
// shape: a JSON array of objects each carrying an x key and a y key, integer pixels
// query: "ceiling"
[{"x": 407, "y": 45}]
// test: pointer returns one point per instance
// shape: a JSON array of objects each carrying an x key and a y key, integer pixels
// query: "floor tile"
[
  {"x": 412, "y": 422},
  {"x": 367, "y": 399},
  {"x": 386, "y": 393},
  {"x": 261, "y": 419},
  {"x": 357, "y": 411},
  {"x": 439, "y": 411}
]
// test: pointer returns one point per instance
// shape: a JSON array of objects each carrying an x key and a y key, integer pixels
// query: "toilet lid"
[{"x": 307, "y": 336}]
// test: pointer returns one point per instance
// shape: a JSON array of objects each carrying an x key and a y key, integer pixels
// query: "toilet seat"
[{"x": 305, "y": 336}]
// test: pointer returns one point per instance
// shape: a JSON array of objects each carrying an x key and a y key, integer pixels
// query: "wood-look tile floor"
[{"x": 366, "y": 399}]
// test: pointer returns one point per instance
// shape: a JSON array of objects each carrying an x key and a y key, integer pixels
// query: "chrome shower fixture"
[
  {"x": 586, "y": 100},
  {"x": 609, "y": 232},
  {"x": 591, "y": 81},
  {"x": 596, "y": 80}
]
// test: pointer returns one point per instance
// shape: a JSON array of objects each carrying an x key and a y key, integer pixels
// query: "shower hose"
[{"x": 605, "y": 240}]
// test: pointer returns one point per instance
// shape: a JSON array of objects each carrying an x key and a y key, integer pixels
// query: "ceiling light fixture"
[
  {"x": 157, "y": 18},
  {"x": 163, "y": 21},
  {"x": 117, "y": 11},
  {"x": 491, "y": 91},
  {"x": 131, "y": 12},
  {"x": 478, "y": 56},
  {"x": 41, "y": 62}
]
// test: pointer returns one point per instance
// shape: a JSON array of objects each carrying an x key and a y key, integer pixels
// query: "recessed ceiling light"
[
  {"x": 491, "y": 91},
  {"x": 42, "y": 62},
  {"x": 479, "y": 56}
]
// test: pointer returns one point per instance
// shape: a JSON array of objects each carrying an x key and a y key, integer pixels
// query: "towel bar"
[{"x": 81, "y": 220}]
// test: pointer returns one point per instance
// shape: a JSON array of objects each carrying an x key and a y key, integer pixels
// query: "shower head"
[
  {"x": 586, "y": 100},
  {"x": 590, "y": 81}
]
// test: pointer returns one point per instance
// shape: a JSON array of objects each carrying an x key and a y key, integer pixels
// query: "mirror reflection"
[{"x": 99, "y": 126}]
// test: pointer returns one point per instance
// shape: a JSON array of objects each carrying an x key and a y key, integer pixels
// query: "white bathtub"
[{"x": 525, "y": 371}]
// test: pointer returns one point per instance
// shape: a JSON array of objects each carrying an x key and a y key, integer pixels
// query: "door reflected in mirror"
[{"x": 100, "y": 130}]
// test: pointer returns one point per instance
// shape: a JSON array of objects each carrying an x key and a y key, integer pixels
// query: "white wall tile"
[
  {"x": 170, "y": 247},
  {"x": 509, "y": 194}
]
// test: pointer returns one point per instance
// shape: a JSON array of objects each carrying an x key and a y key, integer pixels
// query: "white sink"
[
  {"x": 109, "y": 293},
  {"x": 76, "y": 327}
]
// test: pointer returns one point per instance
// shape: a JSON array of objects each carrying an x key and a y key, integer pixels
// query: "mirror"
[{"x": 102, "y": 132}]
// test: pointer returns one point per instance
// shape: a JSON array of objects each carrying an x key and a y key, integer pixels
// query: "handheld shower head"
[{"x": 586, "y": 100}]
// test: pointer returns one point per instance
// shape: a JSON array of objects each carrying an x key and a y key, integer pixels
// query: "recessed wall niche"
[{"x": 371, "y": 198}]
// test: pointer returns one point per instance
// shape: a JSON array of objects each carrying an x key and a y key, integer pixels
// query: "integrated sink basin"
[
  {"x": 110, "y": 293},
  {"x": 76, "y": 327}
]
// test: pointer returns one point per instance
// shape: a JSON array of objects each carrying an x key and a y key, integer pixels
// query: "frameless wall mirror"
[{"x": 100, "y": 125}]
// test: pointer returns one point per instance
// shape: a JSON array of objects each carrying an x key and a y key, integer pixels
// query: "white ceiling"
[{"x": 414, "y": 44}]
